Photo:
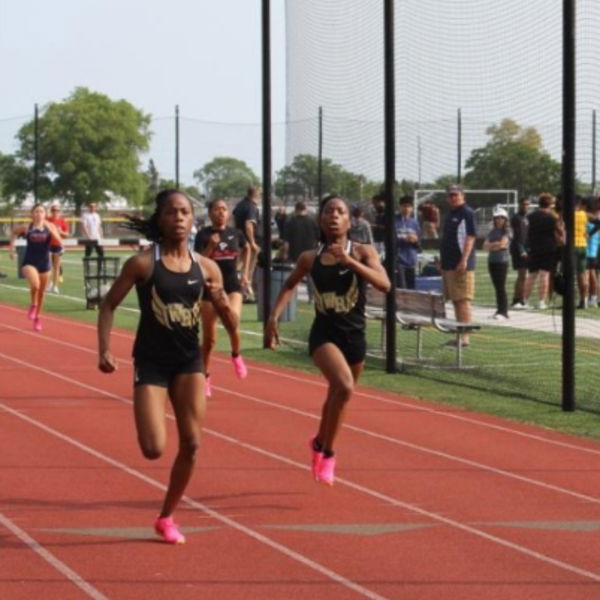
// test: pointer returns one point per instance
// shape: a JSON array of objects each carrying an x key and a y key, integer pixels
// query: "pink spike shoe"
[
  {"x": 240, "y": 367},
  {"x": 327, "y": 471},
  {"x": 207, "y": 388},
  {"x": 168, "y": 530},
  {"x": 31, "y": 312},
  {"x": 37, "y": 324},
  {"x": 316, "y": 458}
]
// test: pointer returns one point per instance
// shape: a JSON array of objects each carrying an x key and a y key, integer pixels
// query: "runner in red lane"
[
  {"x": 36, "y": 262},
  {"x": 340, "y": 270},
  {"x": 169, "y": 281},
  {"x": 224, "y": 245}
]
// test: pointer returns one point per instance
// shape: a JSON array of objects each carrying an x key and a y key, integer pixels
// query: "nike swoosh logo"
[
  {"x": 192, "y": 281},
  {"x": 230, "y": 237},
  {"x": 344, "y": 271}
]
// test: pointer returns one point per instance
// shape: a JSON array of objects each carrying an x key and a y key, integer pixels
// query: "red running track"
[{"x": 430, "y": 503}]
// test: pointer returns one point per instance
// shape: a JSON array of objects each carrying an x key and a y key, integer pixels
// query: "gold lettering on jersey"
[
  {"x": 175, "y": 312},
  {"x": 338, "y": 303}
]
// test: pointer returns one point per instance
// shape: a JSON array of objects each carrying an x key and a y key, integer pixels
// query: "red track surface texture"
[{"x": 430, "y": 503}]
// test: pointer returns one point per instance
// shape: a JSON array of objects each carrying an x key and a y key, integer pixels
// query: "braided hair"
[{"x": 149, "y": 227}]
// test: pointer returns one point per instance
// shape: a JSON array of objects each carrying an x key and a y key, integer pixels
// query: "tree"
[
  {"x": 226, "y": 177},
  {"x": 300, "y": 179},
  {"x": 16, "y": 179},
  {"x": 88, "y": 145},
  {"x": 513, "y": 159}
]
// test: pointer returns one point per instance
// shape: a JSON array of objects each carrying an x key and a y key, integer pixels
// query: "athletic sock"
[{"x": 328, "y": 453}]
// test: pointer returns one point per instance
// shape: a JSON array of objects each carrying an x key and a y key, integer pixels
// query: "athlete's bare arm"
[
  {"x": 16, "y": 232},
  {"x": 303, "y": 267},
  {"x": 218, "y": 297},
  {"x": 135, "y": 270}
]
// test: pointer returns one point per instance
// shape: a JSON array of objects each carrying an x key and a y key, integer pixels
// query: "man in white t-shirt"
[{"x": 92, "y": 230}]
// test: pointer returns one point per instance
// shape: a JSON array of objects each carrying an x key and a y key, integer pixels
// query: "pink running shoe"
[
  {"x": 240, "y": 367},
  {"x": 207, "y": 388},
  {"x": 31, "y": 312},
  {"x": 327, "y": 471},
  {"x": 168, "y": 530},
  {"x": 316, "y": 458},
  {"x": 37, "y": 324}
]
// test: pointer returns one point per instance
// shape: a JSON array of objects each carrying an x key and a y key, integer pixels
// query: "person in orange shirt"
[
  {"x": 56, "y": 249},
  {"x": 580, "y": 244}
]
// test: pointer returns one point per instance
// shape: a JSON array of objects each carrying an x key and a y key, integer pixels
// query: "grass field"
[{"x": 511, "y": 373}]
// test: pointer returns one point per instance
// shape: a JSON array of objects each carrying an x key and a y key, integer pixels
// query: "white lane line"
[
  {"x": 317, "y": 383},
  {"x": 60, "y": 566},
  {"x": 368, "y": 432},
  {"x": 277, "y": 457}
]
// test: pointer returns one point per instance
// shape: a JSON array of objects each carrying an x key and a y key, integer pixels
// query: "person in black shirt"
[
  {"x": 340, "y": 270},
  {"x": 225, "y": 245},
  {"x": 169, "y": 280},
  {"x": 518, "y": 250},
  {"x": 247, "y": 218}
]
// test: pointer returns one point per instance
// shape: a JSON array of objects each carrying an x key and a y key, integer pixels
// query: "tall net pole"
[
  {"x": 177, "y": 146},
  {"x": 266, "y": 157},
  {"x": 320, "y": 157},
  {"x": 459, "y": 146},
  {"x": 594, "y": 152},
  {"x": 568, "y": 195},
  {"x": 390, "y": 178},
  {"x": 36, "y": 151}
]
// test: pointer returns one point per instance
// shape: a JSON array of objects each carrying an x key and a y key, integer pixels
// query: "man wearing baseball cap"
[{"x": 457, "y": 253}]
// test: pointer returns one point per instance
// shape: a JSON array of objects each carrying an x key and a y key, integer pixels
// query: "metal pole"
[
  {"x": 419, "y": 160},
  {"x": 320, "y": 158},
  {"x": 459, "y": 147},
  {"x": 594, "y": 152},
  {"x": 568, "y": 195},
  {"x": 177, "y": 145},
  {"x": 36, "y": 149},
  {"x": 390, "y": 179},
  {"x": 266, "y": 152}
]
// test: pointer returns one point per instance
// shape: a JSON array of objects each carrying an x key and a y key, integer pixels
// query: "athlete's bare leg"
[
  {"x": 189, "y": 405},
  {"x": 37, "y": 285},
  {"x": 341, "y": 378},
  {"x": 209, "y": 332}
]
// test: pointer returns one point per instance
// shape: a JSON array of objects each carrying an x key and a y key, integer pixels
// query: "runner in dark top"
[
  {"x": 225, "y": 245},
  {"x": 340, "y": 271},
  {"x": 169, "y": 280},
  {"x": 36, "y": 262}
]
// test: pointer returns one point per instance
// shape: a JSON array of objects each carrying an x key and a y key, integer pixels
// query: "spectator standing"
[
  {"x": 360, "y": 229},
  {"x": 457, "y": 252},
  {"x": 301, "y": 234},
  {"x": 430, "y": 218},
  {"x": 56, "y": 249},
  {"x": 593, "y": 243},
  {"x": 544, "y": 231},
  {"x": 408, "y": 233},
  {"x": 280, "y": 220},
  {"x": 377, "y": 220},
  {"x": 92, "y": 230},
  {"x": 580, "y": 244},
  {"x": 247, "y": 218},
  {"x": 519, "y": 225},
  {"x": 496, "y": 244}
]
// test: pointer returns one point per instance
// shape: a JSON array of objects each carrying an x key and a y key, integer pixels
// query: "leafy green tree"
[
  {"x": 16, "y": 179},
  {"x": 299, "y": 179},
  {"x": 226, "y": 177},
  {"x": 89, "y": 144},
  {"x": 514, "y": 159}
]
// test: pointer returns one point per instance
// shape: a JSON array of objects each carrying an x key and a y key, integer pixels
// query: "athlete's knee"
[
  {"x": 343, "y": 388},
  {"x": 188, "y": 447},
  {"x": 150, "y": 449}
]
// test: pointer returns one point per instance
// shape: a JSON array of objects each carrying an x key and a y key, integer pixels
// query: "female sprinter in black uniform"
[
  {"x": 36, "y": 266},
  {"x": 223, "y": 244},
  {"x": 169, "y": 280},
  {"x": 340, "y": 271}
]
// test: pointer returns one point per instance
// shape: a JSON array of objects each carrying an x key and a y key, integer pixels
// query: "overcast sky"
[{"x": 204, "y": 55}]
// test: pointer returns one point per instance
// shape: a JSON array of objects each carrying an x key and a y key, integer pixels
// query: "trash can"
[
  {"x": 20, "y": 247},
  {"x": 98, "y": 275},
  {"x": 279, "y": 273}
]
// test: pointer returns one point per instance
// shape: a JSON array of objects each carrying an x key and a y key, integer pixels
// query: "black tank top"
[
  {"x": 340, "y": 295},
  {"x": 169, "y": 329},
  {"x": 225, "y": 254}
]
